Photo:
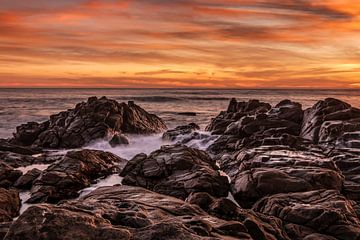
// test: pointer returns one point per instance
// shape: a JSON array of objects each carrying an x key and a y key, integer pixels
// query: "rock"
[
  {"x": 235, "y": 112},
  {"x": 26, "y": 181},
  {"x": 75, "y": 171},
  {"x": 321, "y": 211},
  {"x": 125, "y": 212},
  {"x": 119, "y": 139},
  {"x": 9, "y": 205},
  {"x": 6, "y": 146},
  {"x": 4, "y": 228},
  {"x": 8, "y": 175},
  {"x": 173, "y": 134},
  {"x": 90, "y": 120},
  {"x": 177, "y": 171},
  {"x": 328, "y": 121},
  {"x": 262, "y": 123},
  {"x": 258, "y": 172}
]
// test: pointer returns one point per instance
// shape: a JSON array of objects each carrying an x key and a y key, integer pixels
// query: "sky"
[{"x": 180, "y": 43}]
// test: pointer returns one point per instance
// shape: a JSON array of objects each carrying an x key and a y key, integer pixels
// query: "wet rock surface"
[
  {"x": 124, "y": 212},
  {"x": 75, "y": 171},
  {"x": 88, "y": 121},
  {"x": 177, "y": 171}
]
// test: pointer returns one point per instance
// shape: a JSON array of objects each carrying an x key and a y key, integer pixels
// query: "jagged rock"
[
  {"x": 331, "y": 120},
  {"x": 173, "y": 134},
  {"x": 6, "y": 146},
  {"x": 8, "y": 175},
  {"x": 119, "y": 139},
  {"x": 4, "y": 228},
  {"x": 235, "y": 112},
  {"x": 9, "y": 205},
  {"x": 75, "y": 171},
  {"x": 177, "y": 171},
  {"x": 88, "y": 121},
  {"x": 258, "y": 225},
  {"x": 124, "y": 212},
  {"x": 263, "y": 171},
  {"x": 26, "y": 180},
  {"x": 322, "y": 211},
  {"x": 265, "y": 124}
]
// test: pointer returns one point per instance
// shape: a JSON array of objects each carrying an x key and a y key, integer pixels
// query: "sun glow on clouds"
[{"x": 180, "y": 43}]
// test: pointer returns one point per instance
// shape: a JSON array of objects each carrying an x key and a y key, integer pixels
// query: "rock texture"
[
  {"x": 96, "y": 118},
  {"x": 9, "y": 205},
  {"x": 173, "y": 134},
  {"x": 75, "y": 171},
  {"x": 8, "y": 175},
  {"x": 125, "y": 212},
  {"x": 177, "y": 171}
]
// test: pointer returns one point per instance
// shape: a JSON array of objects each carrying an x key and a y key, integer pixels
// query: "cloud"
[{"x": 155, "y": 42}]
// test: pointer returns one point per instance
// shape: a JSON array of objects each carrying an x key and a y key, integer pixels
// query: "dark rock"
[
  {"x": 88, "y": 121},
  {"x": 328, "y": 121},
  {"x": 4, "y": 228},
  {"x": 9, "y": 205},
  {"x": 119, "y": 139},
  {"x": 173, "y": 134},
  {"x": 6, "y": 146},
  {"x": 263, "y": 171},
  {"x": 323, "y": 211},
  {"x": 8, "y": 175},
  {"x": 75, "y": 171},
  {"x": 123, "y": 212},
  {"x": 177, "y": 171},
  {"x": 26, "y": 180},
  {"x": 235, "y": 112}
]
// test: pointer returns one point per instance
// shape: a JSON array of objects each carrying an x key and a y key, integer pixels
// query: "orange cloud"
[{"x": 158, "y": 43}]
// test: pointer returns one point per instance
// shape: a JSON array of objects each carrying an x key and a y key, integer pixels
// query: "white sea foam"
[
  {"x": 41, "y": 167},
  {"x": 24, "y": 196}
]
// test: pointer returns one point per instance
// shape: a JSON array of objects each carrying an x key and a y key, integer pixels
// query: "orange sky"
[{"x": 180, "y": 43}]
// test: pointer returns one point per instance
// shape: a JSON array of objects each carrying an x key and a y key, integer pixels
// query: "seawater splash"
[
  {"x": 138, "y": 144},
  {"x": 109, "y": 181},
  {"x": 24, "y": 196},
  {"x": 41, "y": 167}
]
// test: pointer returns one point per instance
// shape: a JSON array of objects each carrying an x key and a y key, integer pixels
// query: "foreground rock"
[
  {"x": 9, "y": 205},
  {"x": 309, "y": 213},
  {"x": 176, "y": 171},
  {"x": 96, "y": 118},
  {"x": 180, "y": 131},
  {"x": 125, "y": 212},
  {"x": 8, "y": 175},
  {"x": 75, "y": 171},
  {"x": 268, "y": 170}
]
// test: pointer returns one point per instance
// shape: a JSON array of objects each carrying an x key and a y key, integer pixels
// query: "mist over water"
[{"x": 19, "y": 106}]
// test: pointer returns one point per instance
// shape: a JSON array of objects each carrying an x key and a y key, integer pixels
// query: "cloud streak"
[{"x": 152, "y": 43}]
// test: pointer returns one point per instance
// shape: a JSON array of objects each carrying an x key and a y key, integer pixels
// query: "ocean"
[{"x": 19, "y": 106}]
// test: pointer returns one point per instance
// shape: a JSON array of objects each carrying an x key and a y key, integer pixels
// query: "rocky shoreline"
[{"x": 269, "y": 172}]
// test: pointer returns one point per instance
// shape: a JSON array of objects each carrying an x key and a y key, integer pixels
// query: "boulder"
[
  {"x": 26, "y": 181},
  {"x": 75, "y": 171},
  {"x": 9, "y": 204},
  {"x": 88, "y": 121},
  {"x": 8, "y": 175},
  {"x": 118, "y": 140},
  {"x": 176, "y": 170},
  {"x": 180, "y": 131},
  {"x": 125, "y": 212},
  {"x": 258, "y": 172},
  {"x": 322, "y": 211},
  {"x": 329, "y": 120}
]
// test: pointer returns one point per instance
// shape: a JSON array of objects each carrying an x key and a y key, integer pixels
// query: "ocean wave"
[{"x": 151, "y": 99}]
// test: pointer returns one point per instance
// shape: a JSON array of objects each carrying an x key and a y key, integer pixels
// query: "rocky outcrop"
[
  {"x": 75, "y": 171},
  {"x": 96, "y": 118},
  {"x": 246, "y": 122},
  {"x": 125, "y": 212},
  {"x": 118, "y": 140},
  {"x": 258, "y": 172},
  {"x": 26, "y": 181},
  {"x": 177, "y": 171},
  {"x": 332, "y": 122},
  {"x": 9, "y": 205},
  {"x": 234, "y": 113},
  {"x": 306, "y": 214}
]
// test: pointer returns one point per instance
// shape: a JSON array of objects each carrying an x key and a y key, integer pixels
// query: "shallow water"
[{"x": 19, "y": 106}]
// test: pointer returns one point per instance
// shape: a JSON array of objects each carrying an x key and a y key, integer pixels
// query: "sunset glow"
[{"x": 180, "y": 43}]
